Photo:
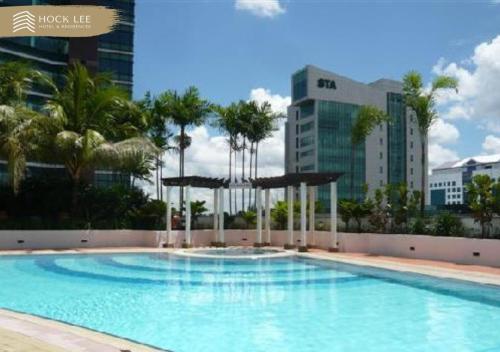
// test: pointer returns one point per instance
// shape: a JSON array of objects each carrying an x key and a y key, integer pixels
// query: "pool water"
[{"x": 285, "y": 304}]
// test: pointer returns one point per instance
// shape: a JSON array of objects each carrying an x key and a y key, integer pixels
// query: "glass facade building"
[
  {"x": 318, "y": 133},
  {"x": 112, "y": 52}
]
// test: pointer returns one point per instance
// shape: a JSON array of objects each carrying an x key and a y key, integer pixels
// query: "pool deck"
[{"x": 24, "y": 332}]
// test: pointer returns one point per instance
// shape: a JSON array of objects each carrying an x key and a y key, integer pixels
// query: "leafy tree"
[
  {"x": 422, "y": 102},
  {"x": 81, "y": 115},
  {"x": 227, "y": 122},
  {"x": 197, "y": 209},
  {"x": 184, "y": 110},
  {"x": 379, "y": 216},
  {"x": 279, "y": 214},
  {"x": 447, "y": 224},
  {"x": 367, "y": 119},
  {"x": 17, "y": 121},
  {"x": 482, "y": 201},
  {"x": 250, "y": 218},
  {"x": 346, "y": 209}
]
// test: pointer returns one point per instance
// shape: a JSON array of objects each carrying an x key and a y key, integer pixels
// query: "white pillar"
[
  {"x": 333, "y": 216},
  {"x": 168, "y": 197},
  {"x": 188, "y": 216},
  {"x": 258, "y": 204},
  {"x": 268, "y": 215},
  {"x": 303, "y": 209},
  {"x": 216, "y": 213},
  {"x": 312, "y": 215},
  {"x": 290, "y": 216},
  {"x": 221, "y": 215}
]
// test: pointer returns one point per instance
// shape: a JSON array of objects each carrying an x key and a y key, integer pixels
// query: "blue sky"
[{"x": 227, "y": 48}]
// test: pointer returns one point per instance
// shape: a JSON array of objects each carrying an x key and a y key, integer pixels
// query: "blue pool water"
[{"x": 283, "y": 304}]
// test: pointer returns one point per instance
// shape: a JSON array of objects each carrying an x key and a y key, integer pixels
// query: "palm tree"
[
  {"x": 158, "y": 132},
  {"x": 184, "y": 110},
  {"x": 86, "y": 119},
  {"x": 16, "y": 120},
  {"x": 367, "y": 119},
  {"x": 228, "y": 124},
  {"x": 422, "y": 102},
  {"x": 246, "y": 113}
]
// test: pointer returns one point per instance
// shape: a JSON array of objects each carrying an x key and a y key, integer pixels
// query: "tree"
[
  {"x": 346, "y": 211},
  {"x": 250, "y": 217},
  {"x": 447, "y": 224},
  {"x": 17, "y": 121},
  {"x": 197, "y": 209},
  {"x": 422, "y": 102},
  {"x": 482, "y": 201},
  {"x": 158, "y": 132},
  {"x": 184, "y": 110},
  {"x": 279, "y": 214},
  {"x": 86, "y": 118},
  {"x": 379, "y": 216},
  {"x": 367, "y": 119},
  {"x": 227, "y": 123}
]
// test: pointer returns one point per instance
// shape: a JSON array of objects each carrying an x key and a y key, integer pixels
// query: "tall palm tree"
[
  {"x": 86, "y": 117},
  {"x": 227, "y": 122},
  {"x": 184, "y": 110},
  {"x": 17, "y": 121},
  {"x": 423, "y": 104},
  {"x": 367, "y": 119},
  {"x": 262, "y": 125}
]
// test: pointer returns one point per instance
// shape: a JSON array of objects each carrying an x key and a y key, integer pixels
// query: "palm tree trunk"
[
  {"x": 161, "y": 176},
  {"x": 243, "y": 175},
  {"x": 422, "y": 197},
  {"x": 255, "y": 169},
  {"x": 235, "y": 191},
  {"x": 250, "y": 175},
  {"x": 352, "y": 171},
  {"x": 230, "y": 180},
  {"x": 181, "y": 169}
]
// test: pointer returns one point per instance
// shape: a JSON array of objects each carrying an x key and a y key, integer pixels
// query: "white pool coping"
[{"x": 191, "y": 252}]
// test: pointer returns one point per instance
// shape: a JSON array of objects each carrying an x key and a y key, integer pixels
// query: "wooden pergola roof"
[
  {"x": 195, "y": 181},
  {"x": 310, "y": 178}
]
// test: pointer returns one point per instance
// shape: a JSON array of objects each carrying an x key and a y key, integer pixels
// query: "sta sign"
[{"x": 326, "y": 83}]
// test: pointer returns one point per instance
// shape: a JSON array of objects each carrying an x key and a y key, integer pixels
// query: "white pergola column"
[
  {"x": 290, "y": 243},
  {"x": 312, "y": 215},
  {"x": 168, "y": 220},
  {"x": 303, "y": 217},
  {"x": 216, "y": 213},
  {"x": 267, "y": 219},
  {"x": 333, "y": 217},
  {"x": 221, "y": 217},
  {"x": 188, "y": 217},
  {"x": 258, "y": 205}
]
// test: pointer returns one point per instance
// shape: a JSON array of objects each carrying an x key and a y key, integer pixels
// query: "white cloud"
[
  {"x": 260, "y": 8},
  {"x": 439, "y": 154},
  {"x": 209, "y": 155},
  {"x": 491, "y": 144},
  {"x": 443, "y": 132},
  {"x": 479, "y": 84}
]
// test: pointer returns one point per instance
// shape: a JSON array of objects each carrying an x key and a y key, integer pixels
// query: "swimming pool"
[{"x": 284, "y": 304}]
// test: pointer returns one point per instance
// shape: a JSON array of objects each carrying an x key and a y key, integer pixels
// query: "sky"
[{"x": 248, "y": 49}]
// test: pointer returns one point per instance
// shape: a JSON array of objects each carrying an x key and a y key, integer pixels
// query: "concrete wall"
[
  {"x": 452, "y": 249},
  {"x": 60, "y": 239}
]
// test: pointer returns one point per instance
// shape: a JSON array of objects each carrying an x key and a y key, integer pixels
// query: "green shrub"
[{"x": 447, "y": 224}]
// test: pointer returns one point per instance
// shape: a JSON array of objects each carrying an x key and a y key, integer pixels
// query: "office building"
[
  {"x": 318, "y": 133},
  {"x": 447, "y": 184}
]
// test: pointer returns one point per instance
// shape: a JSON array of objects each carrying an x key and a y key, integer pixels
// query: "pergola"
[{"x": 288, "y": 181}]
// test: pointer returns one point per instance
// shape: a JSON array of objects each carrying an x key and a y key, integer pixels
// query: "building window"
[
  {"x": 297, "y": 156},
  {"x": 296, "y": 129},
  {"x": 381, "y": 183},
  {"x": 411, "y": 157},
  {"x": 411, "y": 171},
  {"x": 306, "y": 127},
  {"x": 411, "y": 131},
  {"x": 381, "y": 141},
  {"x": 307, "y": 153},
  {"x": 307, "y": 168},
  {"x": 411, "y": 184},
  {"x": 411, "y": 144},
  {"x": 296, "y": 115},
  {"x": 381, "y": 169},
  {"x": 453, "y": 183},
  {"x": 305, "y": 141},
  {"x": 380, "y": 155},
  {"x": 297, "y": 143}
]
